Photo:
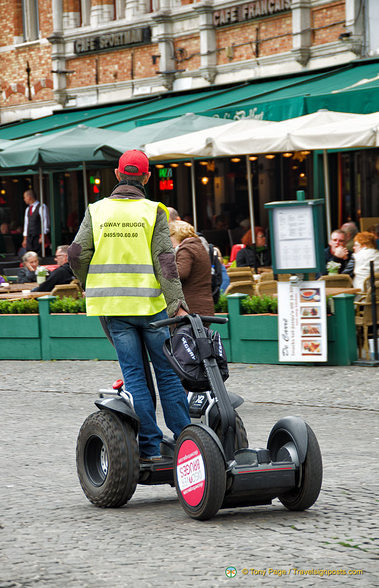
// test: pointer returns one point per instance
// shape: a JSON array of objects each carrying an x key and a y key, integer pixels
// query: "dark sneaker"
[{"x": 154, "y": 459}]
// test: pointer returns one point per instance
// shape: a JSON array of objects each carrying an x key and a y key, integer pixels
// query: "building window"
[{"x": 30, "y": 20}]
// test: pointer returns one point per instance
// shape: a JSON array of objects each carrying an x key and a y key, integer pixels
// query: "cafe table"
[
  {"x": 335, "y": 291},
  {"x": 22, "y": 295},
  {"x": 17, "y": 287}
]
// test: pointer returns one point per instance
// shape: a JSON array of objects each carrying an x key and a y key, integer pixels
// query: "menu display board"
[
  {"x": 294, "y": 237},
  {"x": 302, "y": 321}
]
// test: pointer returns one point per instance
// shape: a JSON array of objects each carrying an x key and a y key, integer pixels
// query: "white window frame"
[{"x": 30, "y": 20}]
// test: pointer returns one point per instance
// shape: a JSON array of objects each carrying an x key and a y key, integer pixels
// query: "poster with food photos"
[{"x": 302, "y": 321}]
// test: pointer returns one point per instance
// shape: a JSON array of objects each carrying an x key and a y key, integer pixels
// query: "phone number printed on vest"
[
  {"x": 127, "y": 235},
  {"x": 190, "y": 472}
]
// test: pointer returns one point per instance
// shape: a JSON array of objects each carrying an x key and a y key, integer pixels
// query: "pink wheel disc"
[{"x": 190, "y": 473}]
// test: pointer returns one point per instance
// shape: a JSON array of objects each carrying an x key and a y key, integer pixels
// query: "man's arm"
[
  {"x": 165, "y": 267},
  {"x": 82, "y": 249}
]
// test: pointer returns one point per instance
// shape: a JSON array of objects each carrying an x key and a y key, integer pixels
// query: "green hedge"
[
  {"x": 251, "y": 305},
  {"x": 30, "y": 306}
]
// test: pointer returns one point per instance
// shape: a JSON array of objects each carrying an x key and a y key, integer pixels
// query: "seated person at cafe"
[
  {"x": 350, "y": 229},
  {"x": 258, "y": 256},
  {"x": 365, "y": 251},
  {"x": 62, "y": 275},
  {"x": 337, "y": 251},
  {"x": 30, "y": 262}
]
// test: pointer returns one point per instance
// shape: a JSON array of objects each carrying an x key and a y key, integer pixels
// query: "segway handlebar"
[{"x": 184, "y": 318}]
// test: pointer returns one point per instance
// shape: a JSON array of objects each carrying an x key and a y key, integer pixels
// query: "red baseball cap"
[{"x": 133, "y": 163}]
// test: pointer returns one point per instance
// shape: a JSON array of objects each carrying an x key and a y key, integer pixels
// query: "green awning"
[
  {"x": 115, "y": 117},
  {"x": 352, "y": 88},
  {"x": 349, "y": 88}
]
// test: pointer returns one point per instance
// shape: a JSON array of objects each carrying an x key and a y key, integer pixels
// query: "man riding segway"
[{"x": 124, "y": 256}]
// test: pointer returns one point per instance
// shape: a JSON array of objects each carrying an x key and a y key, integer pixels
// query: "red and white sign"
[
  {"x": 302, "y": 321},
  {"x": 190, "y": 473}
]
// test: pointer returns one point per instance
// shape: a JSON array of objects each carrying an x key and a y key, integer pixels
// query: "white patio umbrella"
[
  {"x": 252, "y": 137},
  {"x": 201, "y": 143}
]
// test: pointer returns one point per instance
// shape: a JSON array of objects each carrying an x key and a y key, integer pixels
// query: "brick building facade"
[{"x": 66, "y": 53}]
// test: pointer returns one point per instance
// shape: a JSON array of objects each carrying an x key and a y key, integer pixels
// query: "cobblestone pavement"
[{"x": 51, "y": 536}]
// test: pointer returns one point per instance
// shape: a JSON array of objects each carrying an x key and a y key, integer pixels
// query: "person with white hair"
[
  {"x": 350, "y": 229},
  {"x": 30, "y": 263}
]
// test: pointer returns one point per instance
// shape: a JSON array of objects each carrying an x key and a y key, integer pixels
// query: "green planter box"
[
  {"x": 253, "y": 338},
  {"x": 247, "y": 338},
  {"x": 72, "y": 336},
  {"x": 20, "y": 336}
]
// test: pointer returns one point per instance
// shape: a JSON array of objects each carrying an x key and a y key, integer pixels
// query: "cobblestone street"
[{"x": 51, "y": 536}]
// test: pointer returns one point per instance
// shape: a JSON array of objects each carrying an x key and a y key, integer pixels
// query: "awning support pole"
[
  {"x": 42, "y": 213},
  {"x": 327, "y": 194},
  {"x": 250, "y": 195},
  {"x": 85, "y": 190},
  {"x": 193, "y": 188}
]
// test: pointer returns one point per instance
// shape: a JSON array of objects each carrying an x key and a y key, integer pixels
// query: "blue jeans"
[{"x": 126, "y": 332}]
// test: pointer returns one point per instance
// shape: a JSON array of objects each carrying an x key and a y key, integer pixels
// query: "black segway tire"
[
  {"x": 199, "y": 473},
  {"x": 310, "y": 473},
  {"x": 107, "y": 459},
  {"x": 240, "y": 440}
]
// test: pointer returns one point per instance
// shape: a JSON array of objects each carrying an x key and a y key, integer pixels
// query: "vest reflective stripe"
[
  {"x": 123, "y": 292},
  {"x": 122, "y": 232},
  {"x": 114, "y": 268}
]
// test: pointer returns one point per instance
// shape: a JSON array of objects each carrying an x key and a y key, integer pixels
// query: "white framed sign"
[
  {"x": 294, "y": 237},
  {"x": 302, "y": 321}
]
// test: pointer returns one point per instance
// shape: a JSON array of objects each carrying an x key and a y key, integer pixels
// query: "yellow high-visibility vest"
[{"x": 121, "y": 279}]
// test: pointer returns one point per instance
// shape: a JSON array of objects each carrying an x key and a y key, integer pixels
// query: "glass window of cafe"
[{"x": 357, "y": 184}]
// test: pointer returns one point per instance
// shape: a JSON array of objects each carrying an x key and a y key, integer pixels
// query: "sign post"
[{"x": 296, "y": 230}]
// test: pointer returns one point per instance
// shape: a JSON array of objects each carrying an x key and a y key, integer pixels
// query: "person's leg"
[
  {"x": 171, "y": 392},
  {"x": 32, "y": 244},
  {"x": 128, "y": 347}
]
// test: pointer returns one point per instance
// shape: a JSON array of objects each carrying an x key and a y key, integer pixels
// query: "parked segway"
[{"x": 107, "y": 453}]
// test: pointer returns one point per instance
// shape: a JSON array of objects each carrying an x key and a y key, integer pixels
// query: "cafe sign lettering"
[
  {"x": 108, "y": 41},
  {"x": 249, "y": 11}
]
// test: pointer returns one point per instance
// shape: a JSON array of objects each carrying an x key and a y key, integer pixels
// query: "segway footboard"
[{"x": 253, "y": 479}]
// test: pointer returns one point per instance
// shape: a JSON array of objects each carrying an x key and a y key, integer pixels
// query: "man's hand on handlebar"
[{"x": 181, "y": 311}]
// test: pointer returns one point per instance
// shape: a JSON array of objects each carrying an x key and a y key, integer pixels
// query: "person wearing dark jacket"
[
  {"x": 257, "y": 255},
  {"x": 27, "y": 273},
  {"x": 62, "y": 275},
  {"x": 337, "y": 251}
]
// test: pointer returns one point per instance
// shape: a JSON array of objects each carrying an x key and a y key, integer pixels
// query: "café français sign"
[
  {"x": 108, "y": 41},
  {"x": 249, "y": 11}
]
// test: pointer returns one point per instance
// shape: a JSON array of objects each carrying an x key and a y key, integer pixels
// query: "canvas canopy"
[
  {"x": 320, "y": 130},
  {"x": 72, "y": 146},
  {"x": 181, "y": 125}
]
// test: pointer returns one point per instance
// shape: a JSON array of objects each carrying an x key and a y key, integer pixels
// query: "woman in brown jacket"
[{"x": 194, "y": 268}]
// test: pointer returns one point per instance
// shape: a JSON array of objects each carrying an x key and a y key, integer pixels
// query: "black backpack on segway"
[{"x": 210, "y": 463}]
